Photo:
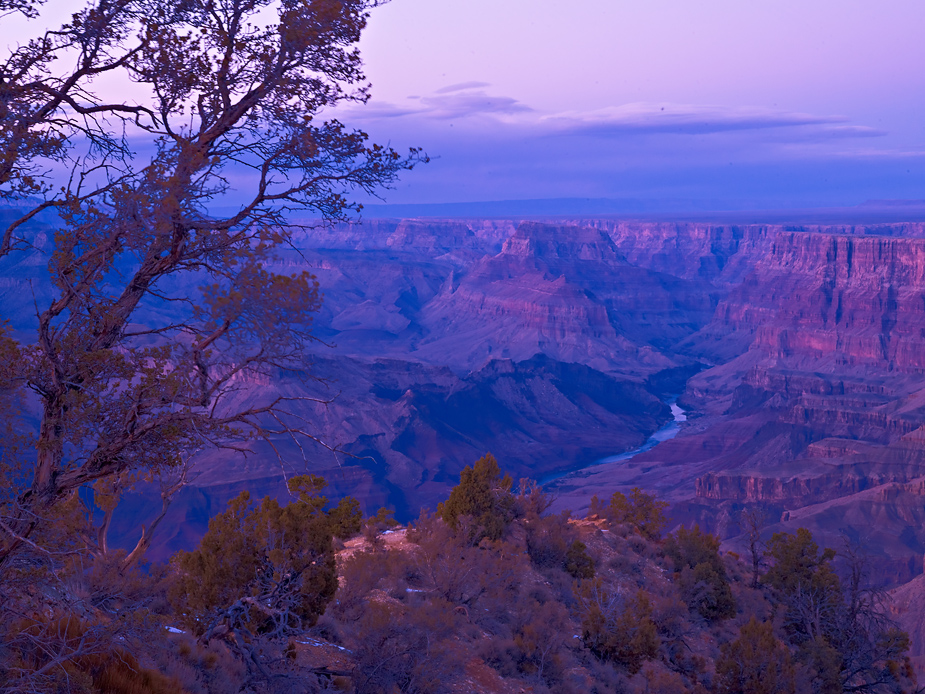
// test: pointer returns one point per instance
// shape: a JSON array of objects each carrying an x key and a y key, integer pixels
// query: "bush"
[
  {"x": 266, "y": 568},
  {"x": 642, "y": 511},
  {"x": 578, "y": 563},
  {"x": 755, "y": 663},
  {"x": 616, "y": 627},
  {"x": 62, "y": 653},
  {"x": 346, "y": 518},
  {"x": 399, "y": 649},
  {"x": 798, "y": 564},
  {"x": 374, "y": 526},
  {"x": 700, "y": 573},
  {"x": 483, "y": 495},
  {"x": 553, "y": 543},
  {"x": 541, "y": 641}
]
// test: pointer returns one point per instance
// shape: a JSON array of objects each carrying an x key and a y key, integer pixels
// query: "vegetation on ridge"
[{"x": 308, "y": 597}]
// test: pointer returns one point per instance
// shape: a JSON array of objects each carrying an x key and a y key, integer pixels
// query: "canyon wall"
[{"x": 815, "y": 404}]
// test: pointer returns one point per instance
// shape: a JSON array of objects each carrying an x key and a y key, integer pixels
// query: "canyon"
[{"x": 796, "y": 352}]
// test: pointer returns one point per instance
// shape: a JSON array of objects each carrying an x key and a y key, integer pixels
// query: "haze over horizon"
[{"x": 728, "y": 105}]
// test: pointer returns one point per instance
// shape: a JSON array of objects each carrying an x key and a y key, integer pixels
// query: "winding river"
[{"x": 669, "y": 431}]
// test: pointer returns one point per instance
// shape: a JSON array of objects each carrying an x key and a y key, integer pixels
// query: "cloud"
[
  {"x": 461, "y": 86},
  {"x": 469, "y": 102},
  {"x": 376, "y": 110},
  {"x": 839, "y": 131},
  {"x": 895, "y": 154},
  {"x": 488, "y": 146},
  {"x": 459, "y": 101},
  {"x": 685, "y": 119}
]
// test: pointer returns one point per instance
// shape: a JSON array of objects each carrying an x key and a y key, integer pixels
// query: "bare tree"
[
  {"x": 754, "y": 521},
  {"x": 162, "y": 309}
]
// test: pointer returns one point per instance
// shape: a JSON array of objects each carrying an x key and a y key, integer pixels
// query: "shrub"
[
  {"x": 700, "y": 573},
  {"x": 642, "y": 511},
  {"x": 578, "y": 563},
  {"x": 262, "y": 568},
  {"x": 346, "y": 518},
  {"x": 798, "y": 564},
  {"x": 540, "y": 642},
  {"x": 374, "y": 526},
  {"x": 755, "y": 663},
  {"x": 617, "y": 627},
  {"x": 483, "y": 495},
  {"x": 59, "y": 652},
  {"x": 404, "y": 649}
]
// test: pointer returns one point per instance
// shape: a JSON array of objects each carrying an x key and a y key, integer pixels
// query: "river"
[{"x": 669, "y": 431}]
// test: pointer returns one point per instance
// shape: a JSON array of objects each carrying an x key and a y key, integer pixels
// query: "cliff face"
[
  {"x": 566, "y": 292},
  {"x": 539, "y": 343},
  {"x": 427, "y": 239},
  {"x": 403, "y": 431},
  {"x": 836, "y": 301},
  {"x": 815, "y": 406},
  {"x": 722, "y": 255},
  {"x": 542, "y": 343}
]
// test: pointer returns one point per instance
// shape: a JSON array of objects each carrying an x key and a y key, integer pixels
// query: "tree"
[
  {"x": 844, "y": 636},
  {"x": 755, "y": 663},
  {"x": 616, "y": 626},
  {"x": 701, "y": 574},
  {"x": 157, "y": 306},
  {"x": 553, "y": 543},
  {"x": 644, "y": 512},
  {"x": 483, "y": 495},
  {"x": 753, "y": 522},
  {"x": 261, "y": 571},
  {"x": 798, "y": 563},
  {"x": 872, "y": 647}
]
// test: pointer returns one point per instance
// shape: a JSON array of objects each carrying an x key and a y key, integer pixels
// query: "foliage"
[
  {"x": 346, "y": 518},
  {"x": 482, "y": 495},
  {"x": 615, "y": 626},
  {"x": 539, "y": 642},
  {"x": 531, "y": 502},
  {"x": 755, "y": 663},
  {"x": 552, "y": 543},
  {"x": 375, "y": 525},
  {"x": 154, "y": 306},
  {"x": 842, "y": 632},
  {"x": 642, "y": 511},
  {"x": 798, "y": 563},
  {"x": 404, "y": 649},
  {"x": 702, "y": 575},
  {"x": 578, "y": 563},
  {"x": 449, "y": 566},
  {"x": 265, "y": 570},
  {"x": 59, "y": 652}
]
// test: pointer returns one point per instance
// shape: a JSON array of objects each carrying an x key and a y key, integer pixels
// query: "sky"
[
  {"x": 716, "y": 103},
  {"x": 668, "y": 104}
]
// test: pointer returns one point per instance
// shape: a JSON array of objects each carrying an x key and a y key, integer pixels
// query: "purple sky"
[
  {"x": 726, "y": 103},
  {"x": 759, "y": 103}
]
